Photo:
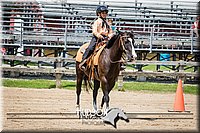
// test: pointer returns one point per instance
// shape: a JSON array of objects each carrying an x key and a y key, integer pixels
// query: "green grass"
[
  {"x": 38, "y": 83},
  {"x": 159, "y": 87},
  {"x": 132, "y": 86}
]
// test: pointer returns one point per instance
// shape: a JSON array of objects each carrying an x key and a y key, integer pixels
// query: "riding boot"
[{"x": 88, "y": 52}]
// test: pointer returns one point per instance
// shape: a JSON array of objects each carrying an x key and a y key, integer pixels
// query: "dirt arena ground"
[{"x": 60, "y": 100}]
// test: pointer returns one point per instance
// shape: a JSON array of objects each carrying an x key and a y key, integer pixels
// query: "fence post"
[
  {"x": 58, "y": 73},
  {"x": 181, "y": 69},
  {"x": 158, "y": 59},
  {"x": 120, "y": 82},
  {"x": 21, "y": 36}
]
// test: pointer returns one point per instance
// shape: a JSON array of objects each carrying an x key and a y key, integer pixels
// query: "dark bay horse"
[{"x": 108, "y": 68}]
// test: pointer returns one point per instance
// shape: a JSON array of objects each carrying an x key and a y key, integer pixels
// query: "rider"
[{"x": 101, "y": 31}]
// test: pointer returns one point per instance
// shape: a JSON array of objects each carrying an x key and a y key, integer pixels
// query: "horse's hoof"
[{"x": 99, "y": 112}]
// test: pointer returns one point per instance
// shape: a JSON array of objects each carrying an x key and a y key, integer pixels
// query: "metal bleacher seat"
[{"x": 70, "y": 23}]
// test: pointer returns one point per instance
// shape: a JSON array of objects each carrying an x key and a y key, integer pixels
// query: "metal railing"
[{"x": 67, "y": 28}]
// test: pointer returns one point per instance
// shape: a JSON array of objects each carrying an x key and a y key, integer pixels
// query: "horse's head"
[
  {"x": 113, "y": 115},
  {"x": 122, "y": 116},
  {"x": 127, "y": 45}
]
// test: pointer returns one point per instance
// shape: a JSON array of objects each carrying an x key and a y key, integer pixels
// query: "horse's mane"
[{"x": 111, "y": 41}]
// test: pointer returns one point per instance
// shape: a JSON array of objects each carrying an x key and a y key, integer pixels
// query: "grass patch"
[
  {"x": 36, "y": 83},
  {"x": 133, "y": 86},
  {"x": 159, "y": 87}
]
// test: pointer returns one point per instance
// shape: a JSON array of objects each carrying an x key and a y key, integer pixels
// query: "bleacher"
[{"x": 158, "y": 26}]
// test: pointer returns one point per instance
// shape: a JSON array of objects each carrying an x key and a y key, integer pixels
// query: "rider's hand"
[
  {"x": 106, "y": 38},
  {"x": 101, "y": 37},
  {"x": 104, "y": 33}
]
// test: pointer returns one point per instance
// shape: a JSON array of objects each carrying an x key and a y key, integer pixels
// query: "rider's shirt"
[{"x": 98, "y": 28}]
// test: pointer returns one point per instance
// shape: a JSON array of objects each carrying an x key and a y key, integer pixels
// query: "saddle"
[{"x": 92, "y": 61}]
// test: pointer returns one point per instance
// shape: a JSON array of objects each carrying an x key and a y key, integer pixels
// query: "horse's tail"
[{"x": 88, "y": 84}]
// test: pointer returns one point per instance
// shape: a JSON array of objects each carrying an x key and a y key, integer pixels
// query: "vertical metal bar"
[
  {"x": 192, "y": 42},
  {"x": 151, "y": 39},
  {"x": 65, "y": 42},
  {"x": 144, "y": 25},
  {"x": 21, "y": 35},
  {"x": 196, "y": 60},
  {"x": 65, "y": 37}
]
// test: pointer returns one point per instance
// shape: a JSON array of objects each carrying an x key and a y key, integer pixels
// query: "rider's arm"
[
  {"x": 96, "y": 29},
  {"x": 111, "y": 33}
]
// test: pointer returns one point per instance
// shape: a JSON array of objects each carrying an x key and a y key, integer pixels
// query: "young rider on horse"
[{"x": 101, "y": 31}]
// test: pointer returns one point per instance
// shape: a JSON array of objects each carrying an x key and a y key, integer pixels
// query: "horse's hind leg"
[
  {"x": 95, "y": 92},
  {"x": 79, "y": 80}
]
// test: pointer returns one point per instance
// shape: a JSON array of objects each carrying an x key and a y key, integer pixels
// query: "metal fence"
[{"x": 159, "y": 27}]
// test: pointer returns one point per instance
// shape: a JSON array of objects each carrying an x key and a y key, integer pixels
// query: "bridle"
[{"x": 121, "y": 42}]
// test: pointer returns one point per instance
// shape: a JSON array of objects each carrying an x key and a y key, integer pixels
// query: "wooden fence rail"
[{"x": 58, "y": 70}]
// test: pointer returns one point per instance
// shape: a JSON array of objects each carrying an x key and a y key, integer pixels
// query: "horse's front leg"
[
  {"x": 95, "y": 92},
  {"x": 104, "y": 85},
  {"x": 110, "y": 87}
]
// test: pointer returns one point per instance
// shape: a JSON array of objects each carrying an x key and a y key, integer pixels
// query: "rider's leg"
[{"x": 88, "y": 51}]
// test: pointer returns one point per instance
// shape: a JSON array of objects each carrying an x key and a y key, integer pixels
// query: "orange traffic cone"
[{"x": 179, "y": 99}]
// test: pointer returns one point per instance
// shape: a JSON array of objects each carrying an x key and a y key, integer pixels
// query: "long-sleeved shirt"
[{"x": 97, "y": 29}]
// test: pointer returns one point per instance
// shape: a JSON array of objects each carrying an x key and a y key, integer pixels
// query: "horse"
[{"x": 108, "y": 69}]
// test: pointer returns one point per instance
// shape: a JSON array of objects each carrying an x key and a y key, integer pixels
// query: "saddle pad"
[
  {"x": 83, "y": 47},
  {"x": 96, "y": 57}
]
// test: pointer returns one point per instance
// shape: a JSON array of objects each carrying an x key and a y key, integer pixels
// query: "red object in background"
[
  {"x": 12, "y": 22},
  {"x": 196, "y": 25},
  {"x": 3, "y": 50},
  {"x": 28, "y": 52}
]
